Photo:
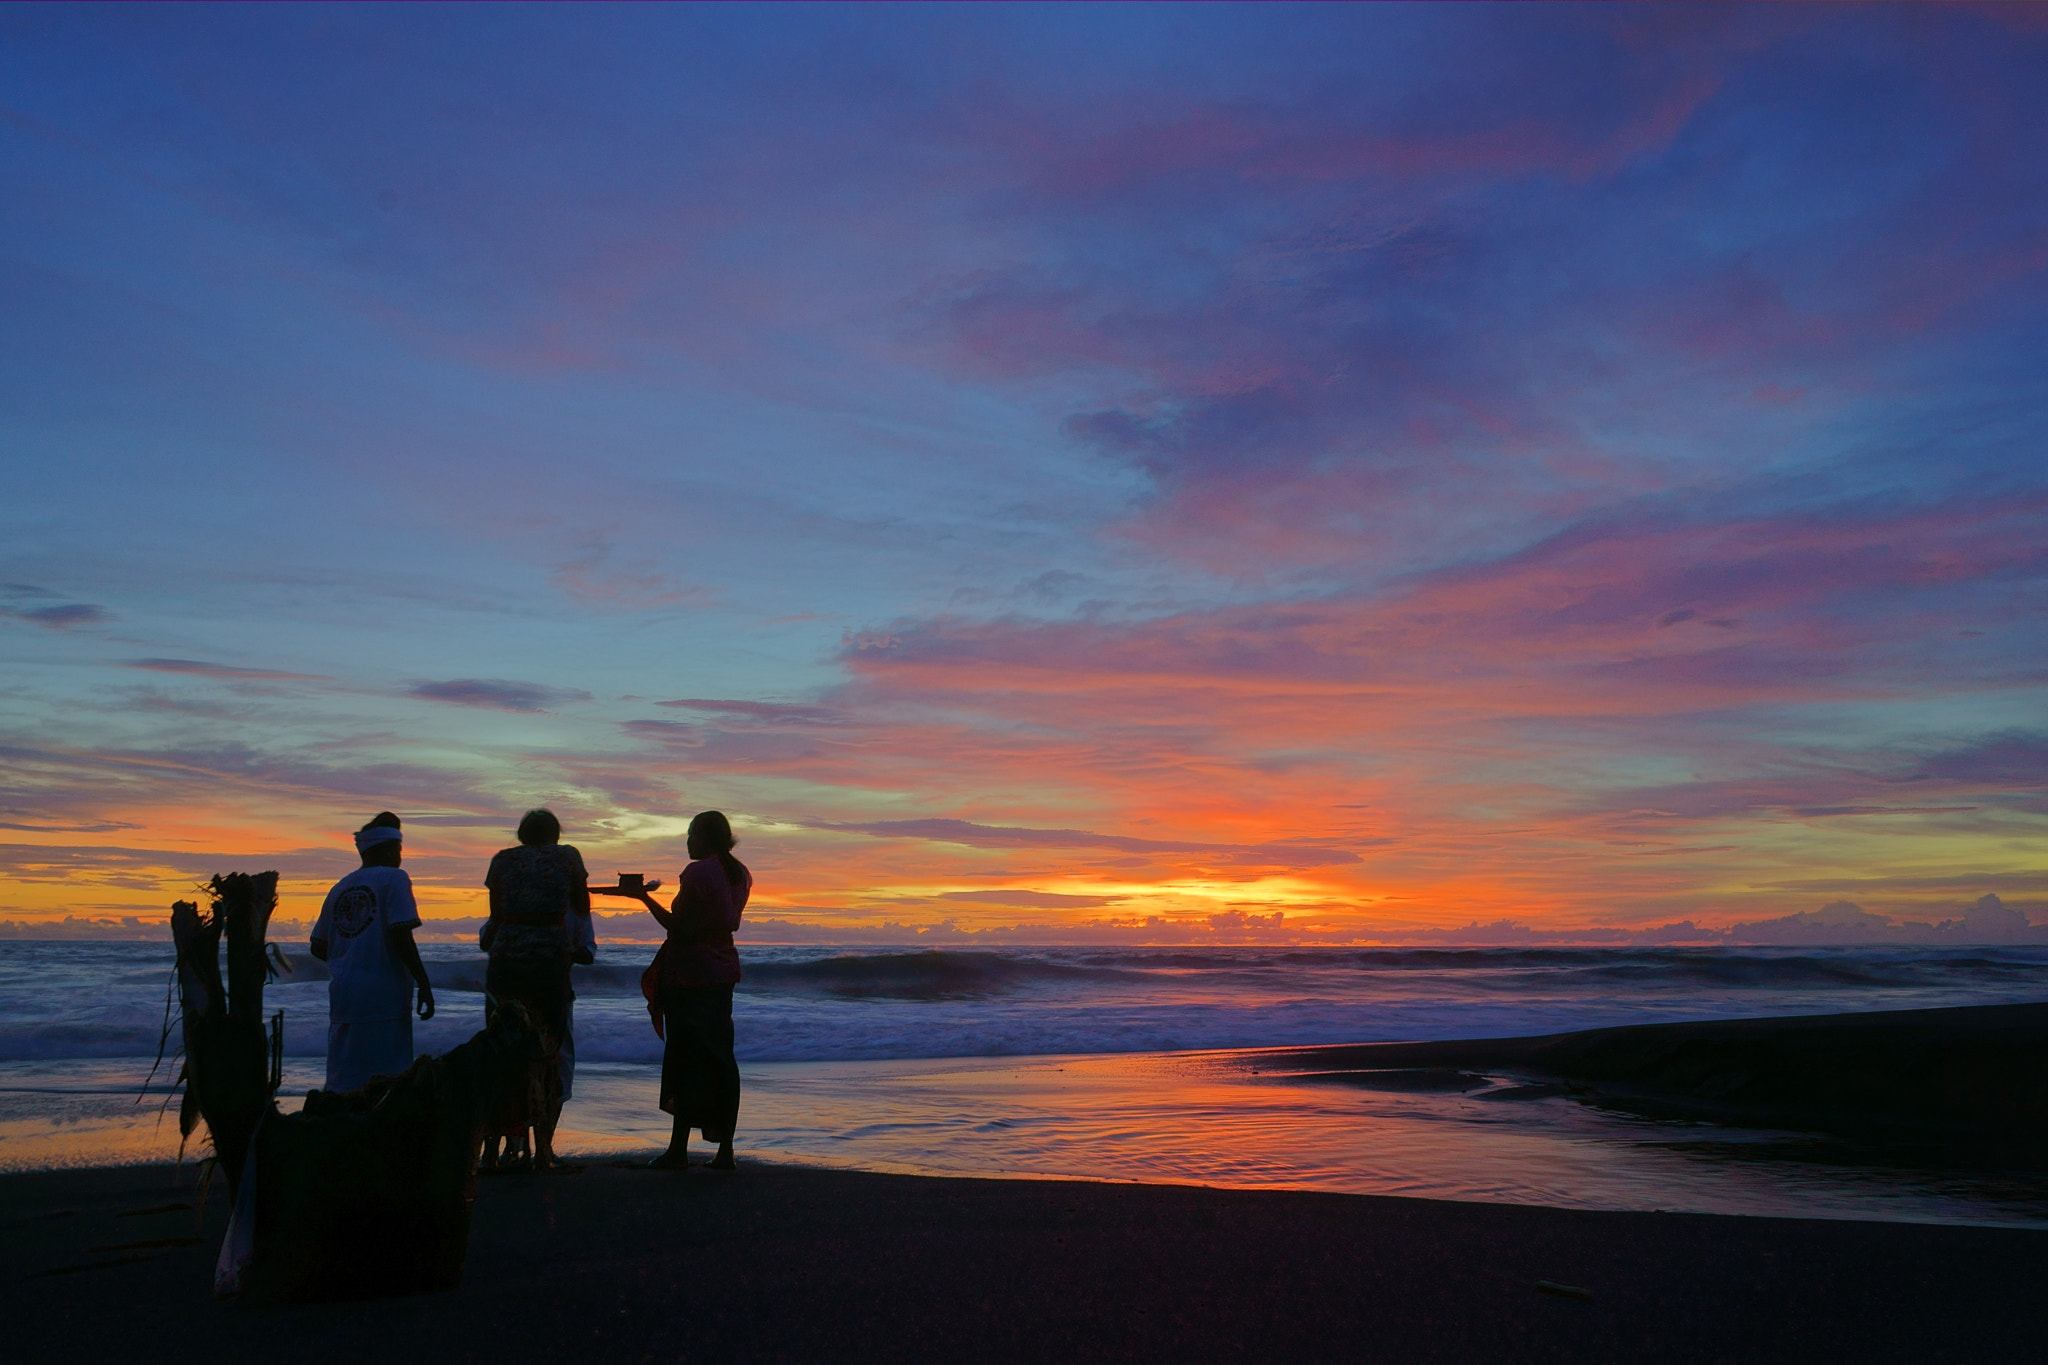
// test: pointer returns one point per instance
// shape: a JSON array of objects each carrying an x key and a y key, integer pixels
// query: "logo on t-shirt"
[{"x": 354, "y": 911}]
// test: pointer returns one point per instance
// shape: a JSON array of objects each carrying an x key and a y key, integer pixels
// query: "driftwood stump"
[
  {"x": 227, "y": 1055},
  {"x": 357, "y": 1195}
]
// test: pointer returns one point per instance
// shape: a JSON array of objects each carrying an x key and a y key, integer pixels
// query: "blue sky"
[{"x": 1391, "y": 465}]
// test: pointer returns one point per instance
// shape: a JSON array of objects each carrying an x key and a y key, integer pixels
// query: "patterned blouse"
[{"x": 536, "y": 888}]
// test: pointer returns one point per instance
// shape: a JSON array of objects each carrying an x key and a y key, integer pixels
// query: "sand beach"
[
  {"x": 606, "y": 1260},
  {"x": 786, "y": 1263}
]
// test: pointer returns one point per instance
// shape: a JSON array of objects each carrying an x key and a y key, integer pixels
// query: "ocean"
[{"x": 1092, "y": 1063}]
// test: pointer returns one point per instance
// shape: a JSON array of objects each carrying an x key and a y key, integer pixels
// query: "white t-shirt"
[{"x": 367, "y": 981}]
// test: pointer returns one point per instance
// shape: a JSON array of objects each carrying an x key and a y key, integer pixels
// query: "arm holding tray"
[{"x": 634, "y": 886}]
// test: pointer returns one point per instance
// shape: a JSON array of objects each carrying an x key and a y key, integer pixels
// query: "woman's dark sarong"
[{"x": 700, "y": 1078}]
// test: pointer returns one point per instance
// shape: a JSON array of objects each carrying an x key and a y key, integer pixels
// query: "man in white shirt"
[{"x": 364, "y": 935}]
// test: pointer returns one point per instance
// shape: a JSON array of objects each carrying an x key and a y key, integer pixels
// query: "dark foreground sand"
[{"x": 786, "y": 1263}]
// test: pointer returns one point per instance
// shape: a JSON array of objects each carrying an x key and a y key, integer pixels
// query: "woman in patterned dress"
[{"x": 539, "y": 889}]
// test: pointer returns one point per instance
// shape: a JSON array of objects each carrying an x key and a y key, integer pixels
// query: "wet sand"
[{"x": 801, "y": 1264}]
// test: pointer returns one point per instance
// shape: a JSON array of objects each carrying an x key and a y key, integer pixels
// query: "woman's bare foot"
[
  {"x": 723, "y": 1161},
  {"x": 670, "y": 1161}
]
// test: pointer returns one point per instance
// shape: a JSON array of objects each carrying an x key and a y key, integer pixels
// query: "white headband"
[{"x": 376, "y": 834}]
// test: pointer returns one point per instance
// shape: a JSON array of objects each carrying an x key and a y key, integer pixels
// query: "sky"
[{"x": 1163, "y": 473}]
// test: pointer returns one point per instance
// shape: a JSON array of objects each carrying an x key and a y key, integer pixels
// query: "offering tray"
[{"x": 631, "y": 884}]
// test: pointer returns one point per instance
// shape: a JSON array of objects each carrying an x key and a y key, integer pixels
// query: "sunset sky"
[{"x": 1116, "y": 471}]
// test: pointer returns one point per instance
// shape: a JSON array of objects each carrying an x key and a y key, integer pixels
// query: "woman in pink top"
[{"x": 691, "y": 981}]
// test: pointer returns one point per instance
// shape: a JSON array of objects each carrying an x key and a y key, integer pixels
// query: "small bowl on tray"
[{"x": 632, "y": 884}]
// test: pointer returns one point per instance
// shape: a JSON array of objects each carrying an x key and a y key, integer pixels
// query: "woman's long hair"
[{"x": 711, "y": 827}]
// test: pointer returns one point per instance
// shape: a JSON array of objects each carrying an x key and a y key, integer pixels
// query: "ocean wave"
[
  {"x": 608, "y": 978},
  {"x": 604, "y": 978},
  {"x": 110, "y": 1038},
  {"x": 810, "y": 1003},
  {"x": 929, "y": 975},
  {"x": 1467, "y": 959},
  {"x": 1821, "y": 972},
  {"x": 941, "y": 974},
  {"x": 932, "y": 974},
  {"x": 457, "y": 976},
  {"x": 1156, "y": 958}
]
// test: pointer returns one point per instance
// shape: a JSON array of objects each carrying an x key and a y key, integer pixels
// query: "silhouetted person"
[
  {"x": 540, "y": 909},
  {"x": 691, "y": 981},
  {"x": 582, "y": 952},
  {"x": 364, "y": 935}
]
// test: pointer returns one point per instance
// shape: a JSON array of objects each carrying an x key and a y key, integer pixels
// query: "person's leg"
[
  {"x": 516, "y": 1155},
  {"x": 675, "y": 1043},
  {"x": 565, "y": 1073},
  {"x": 529, "y": 985},
  {"x": 544, "y": 1131},
  {"x": 543, "y": 1124},
  {"x": 729, "y": 1083},
  {"x": 487, "y": 1160},
  {"x": 551, "y": 1001},
  {"x": 567, "y": 1051},
  {"x": 678, "y": 1153}
]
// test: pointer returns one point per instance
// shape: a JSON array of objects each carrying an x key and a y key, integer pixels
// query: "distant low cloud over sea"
[{"x": 1988, "y": 923}]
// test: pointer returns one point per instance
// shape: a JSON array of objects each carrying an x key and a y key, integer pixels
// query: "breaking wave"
[
  {"x": 928, "y": 975},
  {"x": 61, "y": 1001}
]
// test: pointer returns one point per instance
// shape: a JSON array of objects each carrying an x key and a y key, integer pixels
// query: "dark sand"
[
  {"x": 1968, "y": 1083},
  {"x": 786, "y": 1263}
]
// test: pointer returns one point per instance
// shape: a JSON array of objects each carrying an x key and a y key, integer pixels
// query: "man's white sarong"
[{"x": 376, "y": 1047}]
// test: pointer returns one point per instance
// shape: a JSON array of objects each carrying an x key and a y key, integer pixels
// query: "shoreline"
[
  {"x": 1969, "y": 1080},
  {"x": 790, "y": 1262},
  {"x": 1938, "y": 1115}
]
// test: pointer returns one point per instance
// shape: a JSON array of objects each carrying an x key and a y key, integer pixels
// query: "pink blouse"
[{"x": 707, "y": 910}]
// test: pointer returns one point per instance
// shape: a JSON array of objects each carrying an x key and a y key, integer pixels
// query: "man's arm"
[
  {"x": 318, "y": 947},
  {"x": 409, "y": 955}
]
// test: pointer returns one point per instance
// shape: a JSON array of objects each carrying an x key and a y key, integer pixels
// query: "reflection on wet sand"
[{"x": 1467, "y": 1121}]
